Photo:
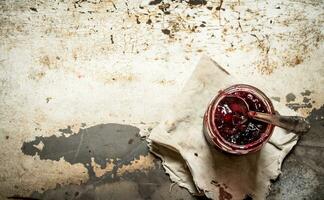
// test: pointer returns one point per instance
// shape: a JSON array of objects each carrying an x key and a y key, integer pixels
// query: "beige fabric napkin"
[{"x": 199, "y": 167}]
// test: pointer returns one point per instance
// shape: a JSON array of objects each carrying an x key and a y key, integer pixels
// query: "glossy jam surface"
[{"x": 232, "y": 120}]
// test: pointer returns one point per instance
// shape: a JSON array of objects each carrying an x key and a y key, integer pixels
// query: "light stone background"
[{"x": 111, "y": 61}]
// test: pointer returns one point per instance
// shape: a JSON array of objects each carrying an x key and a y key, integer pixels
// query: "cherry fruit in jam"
[
  {"x": 233, "y": 122},
  {"x": 229, "y": 123}
]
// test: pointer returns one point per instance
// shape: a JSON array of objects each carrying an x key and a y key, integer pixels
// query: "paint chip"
[
  {"x": 144, "y": 164},
  {"x": 39, "y": 146},
  {"x": 99, "y": 172}
]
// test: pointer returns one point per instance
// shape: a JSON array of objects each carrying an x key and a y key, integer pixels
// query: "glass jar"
[{"x": 236, "y": 144}]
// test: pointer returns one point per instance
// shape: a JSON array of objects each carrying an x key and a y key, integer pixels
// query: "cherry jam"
[
  {"x": 233, "y": 122},
  {"x": 228, "y": 120}
]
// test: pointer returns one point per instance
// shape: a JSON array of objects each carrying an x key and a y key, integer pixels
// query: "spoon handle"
[{"x": 294, "y": 124}]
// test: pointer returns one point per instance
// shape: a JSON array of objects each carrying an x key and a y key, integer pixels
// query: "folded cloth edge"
[{"x": 285, "y": 151}]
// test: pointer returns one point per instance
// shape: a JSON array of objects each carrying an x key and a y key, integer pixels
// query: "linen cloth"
[{"x": 194, "y": 164}]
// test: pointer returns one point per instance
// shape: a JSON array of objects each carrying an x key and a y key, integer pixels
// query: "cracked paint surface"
[{"x": 84, "y": 63}]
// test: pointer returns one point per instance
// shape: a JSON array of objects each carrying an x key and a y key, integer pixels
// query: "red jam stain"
[{"x": 232, "y": 119}]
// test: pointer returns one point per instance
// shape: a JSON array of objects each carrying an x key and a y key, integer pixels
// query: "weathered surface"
[
  {"x": 144, "y": 177},
  {"x": 105, "y": 145},
  {"x": 132, "y": 172},
  {"x": 73, "y": 62},
  {"x": 303, "y": 170}
]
